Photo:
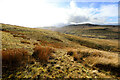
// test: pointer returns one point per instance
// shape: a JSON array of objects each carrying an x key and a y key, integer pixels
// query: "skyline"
[{"x": 39, "y": 13}]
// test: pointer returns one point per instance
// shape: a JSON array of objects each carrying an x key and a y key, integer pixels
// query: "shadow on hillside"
[{"x": 108, "y": 67}]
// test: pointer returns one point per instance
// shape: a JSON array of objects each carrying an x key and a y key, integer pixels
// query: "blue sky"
[
  {"x": 86, "y": 4},
  {"x": 96, "y": 5},
  {"x": 39, "y": 13}
]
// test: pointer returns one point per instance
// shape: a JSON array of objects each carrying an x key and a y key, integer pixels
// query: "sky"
[{"x": 40, "y": 13}]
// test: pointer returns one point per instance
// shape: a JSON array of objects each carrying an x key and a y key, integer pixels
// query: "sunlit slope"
[
  {"x": 73, "y": 56},
  {"x": 19, "y": 34}
]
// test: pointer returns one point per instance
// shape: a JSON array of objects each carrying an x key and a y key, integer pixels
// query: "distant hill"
[
  {"x": 88, "y": 24},
  {"x": 91, "y": 30}
]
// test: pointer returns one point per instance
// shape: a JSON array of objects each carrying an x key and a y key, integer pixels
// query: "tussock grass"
[
  {"x": 22, "y": 36},
  {"x": 86, "y": 50},
  {"x": 13, "y": 32},
  {"x": 35, "y": 44},
  {"x": 70, "y": 53},
  {"x": 103, "y": 60},
  {"x": 42, "y": 53},
  {"x": 25, "y": 42},
  {"x": 106, "y": 64},
  {"x": 51, "y": 44},
  {"x": 12, "y": 58}
]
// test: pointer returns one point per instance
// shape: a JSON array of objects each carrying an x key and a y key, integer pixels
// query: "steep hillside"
[{"x": 49, "y": 54}]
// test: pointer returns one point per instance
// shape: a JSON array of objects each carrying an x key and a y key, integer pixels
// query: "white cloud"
[
  {"x": 34, "y": 13},
  {"x": 109, "y": 11}
]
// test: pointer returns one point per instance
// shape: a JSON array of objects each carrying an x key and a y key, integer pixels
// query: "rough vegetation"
[
  {"x": 14, "y": 58},
  {"x": 42, "y": 53},
  {"x": 49, "y": 54}
]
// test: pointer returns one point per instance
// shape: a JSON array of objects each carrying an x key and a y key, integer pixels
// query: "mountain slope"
[
  {"x": 87, "y": 54},
  {"x": 91, "y": 31}
]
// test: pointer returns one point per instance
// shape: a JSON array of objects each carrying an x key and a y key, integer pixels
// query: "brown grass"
[
  {"x": 25, "y": 42},
  {"x": 106, "y": 64},
  {"x": 22, "y": 36},
  {"x": 56, "y": 45},
  {"x": 13, "y": 32},
  {"x": 56, "y": 39},
  {"x": 14, "y": 57},
  {"x": 70, "y": 53},
  {"x": 103, "y": 60},
  {"x": 35, "y": 44},
  {"x": 42, "y": 53},
  {"x": 51, "y": 44},
  {"x": 74, "y": 54}
]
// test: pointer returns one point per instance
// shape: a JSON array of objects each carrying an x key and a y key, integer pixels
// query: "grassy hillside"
[
  {"x": 100, "y": 32},
  {"x": 49, "y": 54}
]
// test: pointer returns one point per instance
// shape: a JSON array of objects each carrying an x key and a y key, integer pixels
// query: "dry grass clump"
[
  {"x": 56, "y": 45},
  {"x": 12, "y": 58},
  {"x": 56, "y": 39},
  {"x": 51, "y": 44},
  {"x": 35, "y": 44},
  {"x": 42, "y": 53},
  {"x": 22, "y": 36},
  {"x": 70, "y": 53},
  {"x": 12, "y": 32},
  {"x": 74, "y": 54},
  {"x": 25, "y": 42},
  {"x": 17, "y": 34}
]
